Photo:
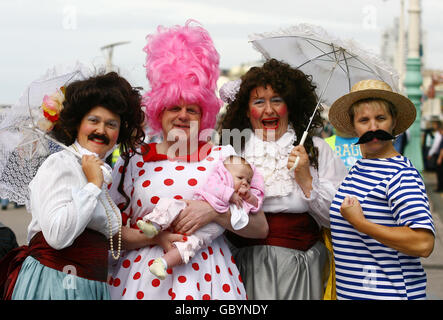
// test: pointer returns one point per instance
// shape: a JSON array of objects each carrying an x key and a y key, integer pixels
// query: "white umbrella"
[
  {"x": 334, "y": 64},
  {"x": 24, "y": 143}
]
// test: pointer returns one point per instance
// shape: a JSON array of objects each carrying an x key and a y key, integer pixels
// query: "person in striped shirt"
[{"x": 380, "y": 217}]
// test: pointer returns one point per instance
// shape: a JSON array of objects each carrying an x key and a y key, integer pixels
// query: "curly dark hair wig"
[
  {"x": 293, "y": 86},
  {"x": 112, "y": 92}
]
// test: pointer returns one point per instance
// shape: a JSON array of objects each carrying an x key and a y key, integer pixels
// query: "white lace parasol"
[
  {"x": 23, "y": 144},
  {"x": 323, "y": 55}
]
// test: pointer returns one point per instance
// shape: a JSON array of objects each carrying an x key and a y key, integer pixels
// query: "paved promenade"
[
  {"x": 18, "y": 220},
  {"x": 434, "y": 264}
]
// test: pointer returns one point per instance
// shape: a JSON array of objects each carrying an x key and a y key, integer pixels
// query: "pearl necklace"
[{"x": 108, "y": 215}]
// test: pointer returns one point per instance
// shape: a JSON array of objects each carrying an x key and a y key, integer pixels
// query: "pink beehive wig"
[{"x": 182, "y": 66}]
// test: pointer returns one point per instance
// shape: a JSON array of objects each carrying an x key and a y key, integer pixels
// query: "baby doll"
[{"x": 233, "y": 184}]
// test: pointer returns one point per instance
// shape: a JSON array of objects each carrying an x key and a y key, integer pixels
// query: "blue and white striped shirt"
[{"x": 391, "y": 192}]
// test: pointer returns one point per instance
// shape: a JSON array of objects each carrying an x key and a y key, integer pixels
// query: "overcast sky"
[{"x": 36, "y": 35}]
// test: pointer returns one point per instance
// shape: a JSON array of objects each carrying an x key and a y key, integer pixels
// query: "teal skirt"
[{"x": 38, "y": 282}]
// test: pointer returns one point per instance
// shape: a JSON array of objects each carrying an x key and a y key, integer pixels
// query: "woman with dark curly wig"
[
  {"x": 274, "y": 103},
  {"x": 74, "y": 221}
]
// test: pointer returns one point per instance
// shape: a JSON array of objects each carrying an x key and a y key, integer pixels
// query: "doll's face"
[{"x": 241, "y": 173}]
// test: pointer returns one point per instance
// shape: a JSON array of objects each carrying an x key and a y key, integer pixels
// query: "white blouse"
[
  {"x": 63, "y": 203},
  {"x": 282, "y": 193}
]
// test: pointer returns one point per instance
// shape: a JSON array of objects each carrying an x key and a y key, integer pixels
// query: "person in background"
[
  {"x": 327, "y": 130},
  {"x": 426, "y": 143},
  {"x": 438, "y": 137},
  {"x": 345, "y": 147},
  {"x": 8, "y": 240},
  {"x": 434, "y": 153},
  {"x": 4, "y": 203},
  {"x": 439, "y": 169},
  {"x": 115, "y": 156}
]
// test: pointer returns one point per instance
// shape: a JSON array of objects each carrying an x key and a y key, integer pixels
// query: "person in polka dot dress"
[{"x": 174, "y": 168}]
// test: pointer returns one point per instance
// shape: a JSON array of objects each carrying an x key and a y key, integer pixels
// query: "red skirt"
[
  {"x": 290, "y": 230},
  {"x": 88, "y": 255}
]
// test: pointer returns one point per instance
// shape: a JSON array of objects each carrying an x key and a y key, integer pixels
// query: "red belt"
[
  {"x": 88, "y": 256},
  {"x": 290, "y": 230}
]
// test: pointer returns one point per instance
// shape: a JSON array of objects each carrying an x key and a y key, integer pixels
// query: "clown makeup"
[{"x": 268, "y": 112}]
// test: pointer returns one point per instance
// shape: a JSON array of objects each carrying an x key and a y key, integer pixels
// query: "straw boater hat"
[{"x": 366, "y": 89}]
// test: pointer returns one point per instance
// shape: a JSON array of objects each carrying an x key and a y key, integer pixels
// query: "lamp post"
[
  {"x": 401, "y": 46},
  {"x": 412, "y": 83},
  {"x": 110, "y": 50}
]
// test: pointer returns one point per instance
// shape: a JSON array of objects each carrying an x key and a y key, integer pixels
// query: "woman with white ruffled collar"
[{"x": 276, "y": 102}]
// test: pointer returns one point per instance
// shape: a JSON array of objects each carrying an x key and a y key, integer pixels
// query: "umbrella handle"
[
  {"x": 305, "y": 134},
  {"x": 297, "y": 160}
]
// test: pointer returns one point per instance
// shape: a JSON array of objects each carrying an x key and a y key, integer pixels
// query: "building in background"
[
  {"x": 433, "y": 94},
  {"x": 234, "y": 73},
  {"x": 432, "y": 87}
]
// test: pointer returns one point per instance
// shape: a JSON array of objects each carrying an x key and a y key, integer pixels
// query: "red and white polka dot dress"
[{"x": 210, "y": 274}]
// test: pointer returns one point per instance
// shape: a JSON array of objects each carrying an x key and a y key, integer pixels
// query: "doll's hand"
[
  {"x": 351, "y": 210},
  {"x": 237, "y": 200},
  {"x": 166, "y": 239},
  {"x": 248, "y": 196},
  {"x": 244, "y": 191}
]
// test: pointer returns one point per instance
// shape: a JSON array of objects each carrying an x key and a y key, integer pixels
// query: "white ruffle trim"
[
  {"x": 165, "y": 212},
  {"x": 188, "y": 248},
  {"x": 271, "y": 159}
]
